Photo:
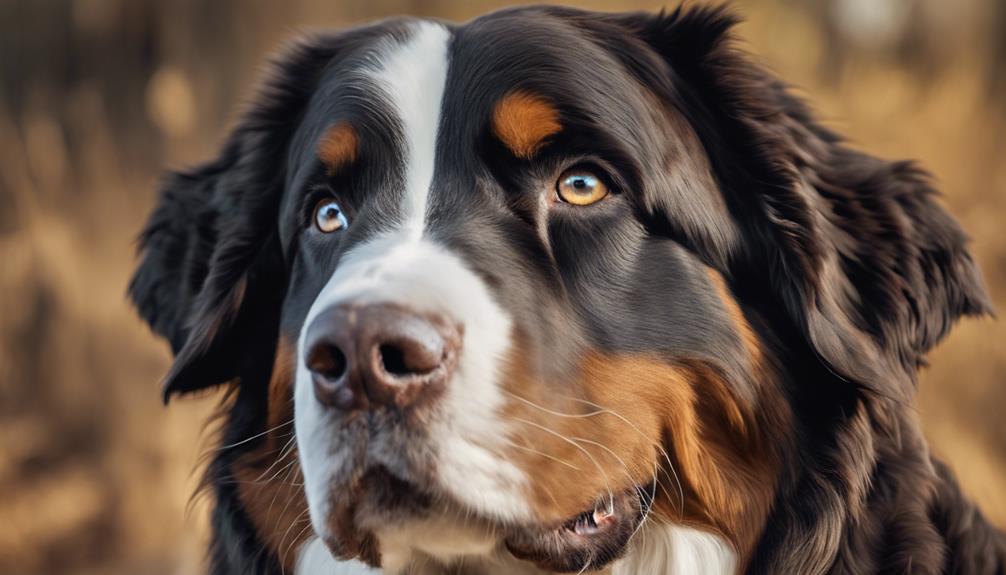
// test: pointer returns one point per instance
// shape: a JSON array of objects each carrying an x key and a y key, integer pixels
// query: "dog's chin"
[{"x": 385, "y": 518}]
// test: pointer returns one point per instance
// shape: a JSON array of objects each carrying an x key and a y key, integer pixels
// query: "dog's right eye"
[
  {"x": 329, "y": 217},
  {"x": 580, "y": 187}
]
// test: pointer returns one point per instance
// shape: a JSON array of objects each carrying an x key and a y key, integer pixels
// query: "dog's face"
[
  {"x": 484, "y": 325},
  {"x": 493, "y": 274}
]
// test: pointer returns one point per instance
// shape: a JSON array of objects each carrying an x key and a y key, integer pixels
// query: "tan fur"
[
  {"x": 722, "y": 449},
  {"x": 752, "y": 345},
  {"x": 523, "y": 121},
  {"x": 338, "y": 147}
]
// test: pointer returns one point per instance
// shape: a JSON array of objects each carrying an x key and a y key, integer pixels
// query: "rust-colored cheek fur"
[
  {"x": 523, "y": 121},
  {"x": 748, "y": 337},
  {"x": 624, "y": 419},
  {"x": 338, "y": 147},
  {"x": 268, "y": 477}
]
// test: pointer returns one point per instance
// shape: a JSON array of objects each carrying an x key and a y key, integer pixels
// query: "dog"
[{"x": 559, "y": 291}]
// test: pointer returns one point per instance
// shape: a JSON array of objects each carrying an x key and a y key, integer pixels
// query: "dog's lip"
[{"x": 588, "y": 540}]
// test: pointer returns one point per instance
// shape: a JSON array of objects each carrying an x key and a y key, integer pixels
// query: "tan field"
[{"x": 99, "y": 96}]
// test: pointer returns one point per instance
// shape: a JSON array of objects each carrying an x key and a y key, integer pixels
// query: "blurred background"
[{"x": 100, "y": 96}]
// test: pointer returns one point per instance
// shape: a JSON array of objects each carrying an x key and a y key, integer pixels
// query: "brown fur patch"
[
  {"x": 338, "y": 147},
  {"x": 637, "y": 417},
  {"x": 752, "y": 345},
  {"x": 268, "y": 478},
  {"x": 523, "y": 121}
]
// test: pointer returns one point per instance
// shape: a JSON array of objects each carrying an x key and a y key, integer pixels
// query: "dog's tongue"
[{"x": 588, "y": 541}]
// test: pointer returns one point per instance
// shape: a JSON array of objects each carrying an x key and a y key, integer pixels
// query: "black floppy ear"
[
  {"x": 858, "y": 251},
  {"x": 211, "y": 277}
]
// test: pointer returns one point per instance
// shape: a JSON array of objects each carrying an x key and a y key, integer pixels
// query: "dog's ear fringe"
[
  {"x": 858, "y": 251},
  {"x": 212, "y": 223},
  {"x": 177, "y": 237},
  {"x": 685, "y": 35}
]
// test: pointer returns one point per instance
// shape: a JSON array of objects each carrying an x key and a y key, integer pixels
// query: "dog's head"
[{"x": 524, "y": 283}]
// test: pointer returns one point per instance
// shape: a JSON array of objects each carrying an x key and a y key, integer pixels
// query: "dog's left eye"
[
  {"x": 580, "y": 187},
  {"x": 329, "y": 217}
]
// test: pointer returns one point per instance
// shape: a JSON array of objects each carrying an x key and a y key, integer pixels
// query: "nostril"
[
  {"x": 418, "y": 353},
  {"x": 327, "y": 361},
  {"x": 393, "y": 360}
]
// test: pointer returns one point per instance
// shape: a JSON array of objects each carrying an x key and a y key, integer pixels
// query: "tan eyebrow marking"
[
  {"x": 338, "y": 146},
  {"x": 522, "y": 121}
]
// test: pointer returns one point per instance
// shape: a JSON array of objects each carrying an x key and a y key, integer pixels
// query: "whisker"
[
  {"x": 547, "y": 456},
  {"x": 663, "y": 452},
  {"x": 605, "y": 410},
  {"x": 621, "y": 461},
  {"x": 649, "y": 505},
  {"x": 586, "y": 565},
  {"x": 292, "y": 470},
  {"x": 243, "y": 441},
  {"x": 552, "y": 411},
  {"x": 607, "y": 482},
  {"x": 285, "y": 552},
  {"x": 600, "y": 410},
  {"x": 543, "y": 454},
  {"x": 277, "y": 473}
]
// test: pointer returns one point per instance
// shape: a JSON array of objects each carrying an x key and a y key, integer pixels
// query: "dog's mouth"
[{"x": 585, "y": 541}]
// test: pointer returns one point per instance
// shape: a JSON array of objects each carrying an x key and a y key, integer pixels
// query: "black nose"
[{"x": 368, "y": 356}]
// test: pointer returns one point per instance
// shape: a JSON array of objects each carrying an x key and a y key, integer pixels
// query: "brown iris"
[
  {"x": 580, "y": 187},
  {"x": 328, "y": 217}
]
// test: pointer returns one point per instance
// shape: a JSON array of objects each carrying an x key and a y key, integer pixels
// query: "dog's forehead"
[
  {"x": 412, "y": 85},
  {"x": 564, "y": 60},
  {"x": 531, "y": 50}
]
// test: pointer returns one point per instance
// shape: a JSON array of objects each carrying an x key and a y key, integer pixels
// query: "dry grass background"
[{"x": 98, "y": 96}]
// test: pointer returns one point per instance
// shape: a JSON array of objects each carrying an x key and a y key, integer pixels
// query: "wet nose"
[{"x": 379, "y": 355}]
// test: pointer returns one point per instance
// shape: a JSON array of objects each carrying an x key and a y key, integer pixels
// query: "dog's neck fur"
[{"x": 871, "y": 498}]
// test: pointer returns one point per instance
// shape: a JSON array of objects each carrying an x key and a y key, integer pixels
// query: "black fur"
[{"x": 849, "y": 267}]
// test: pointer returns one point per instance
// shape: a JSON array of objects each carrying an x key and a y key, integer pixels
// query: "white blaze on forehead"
[
  {"x": 413, "y": 77},
  {"x": 401, "y": 266}
]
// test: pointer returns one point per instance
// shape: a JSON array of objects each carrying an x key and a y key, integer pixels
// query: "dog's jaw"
[{"x": 664, "y": 549}]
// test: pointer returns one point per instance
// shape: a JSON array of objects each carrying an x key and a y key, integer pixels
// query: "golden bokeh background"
[{"x": 99, "y": 96}]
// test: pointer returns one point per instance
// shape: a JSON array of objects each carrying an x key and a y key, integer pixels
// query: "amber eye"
[
  {"x": 580, "y": 187},
  {"x": 328, "y": 216}
]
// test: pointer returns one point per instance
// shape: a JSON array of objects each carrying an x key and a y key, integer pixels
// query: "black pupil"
[
  {"x": 331, "y": 212},
  {"x": 579, "y": 183}
]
